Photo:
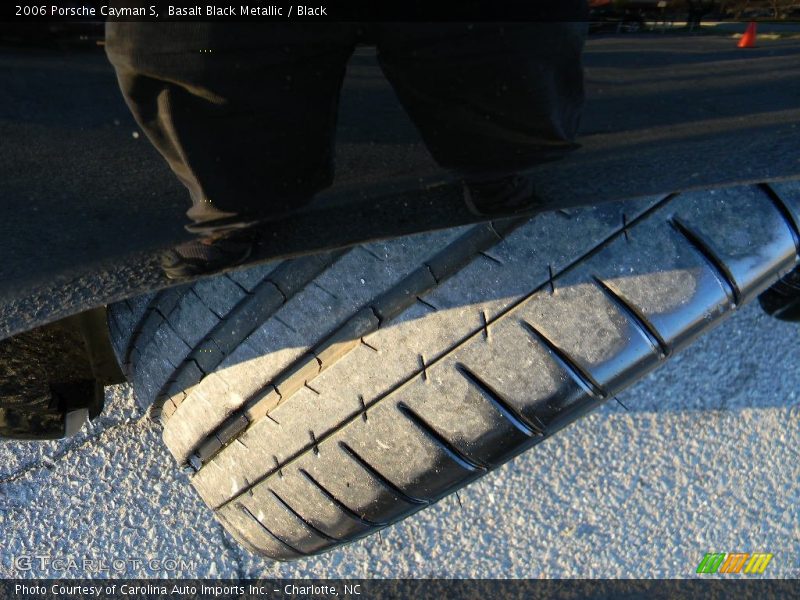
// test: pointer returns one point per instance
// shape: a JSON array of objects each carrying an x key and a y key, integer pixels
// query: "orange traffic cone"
[{"x": 749, "y": 38}]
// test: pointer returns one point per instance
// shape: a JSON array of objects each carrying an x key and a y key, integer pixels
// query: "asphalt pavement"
[{"x": 703, "y": 457}]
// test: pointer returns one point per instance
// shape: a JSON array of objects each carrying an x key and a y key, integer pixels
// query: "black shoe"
[
  {"x": 782, "y": 300},
  {"x": 502, "y": 197},
  {"x": 207, "y": 255}
]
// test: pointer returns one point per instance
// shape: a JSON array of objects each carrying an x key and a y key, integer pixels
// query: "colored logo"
[{"x": 734, "y": 562}]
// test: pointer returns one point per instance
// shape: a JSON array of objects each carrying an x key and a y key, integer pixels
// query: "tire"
[
  {"x": 319, "y": 399},
  {"x": 782, "y": 300}
]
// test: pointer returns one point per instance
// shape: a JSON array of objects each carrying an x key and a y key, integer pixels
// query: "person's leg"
[
  {"x": 244, "y": 115},
  {"x": 491, "y": 99}
]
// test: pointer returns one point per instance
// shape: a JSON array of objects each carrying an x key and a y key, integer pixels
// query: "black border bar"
[
  {"x": 389, "y": 589},
  {"x": 320, "y": 11},
  {"x": 288, "y": 11}
]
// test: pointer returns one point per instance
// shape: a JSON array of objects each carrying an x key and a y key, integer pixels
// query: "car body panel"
[{"x": 88, "y": 204}]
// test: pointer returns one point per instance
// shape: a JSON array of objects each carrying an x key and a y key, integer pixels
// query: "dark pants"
[{"x": 249, "y": 127}]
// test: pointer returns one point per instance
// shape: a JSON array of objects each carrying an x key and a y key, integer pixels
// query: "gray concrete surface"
[{"x": 704, "y": 459}]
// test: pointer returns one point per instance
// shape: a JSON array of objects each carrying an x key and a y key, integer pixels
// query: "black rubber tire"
[
  {"x": 782, "y": 300},
  {"x": 320, "y": 399}
]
